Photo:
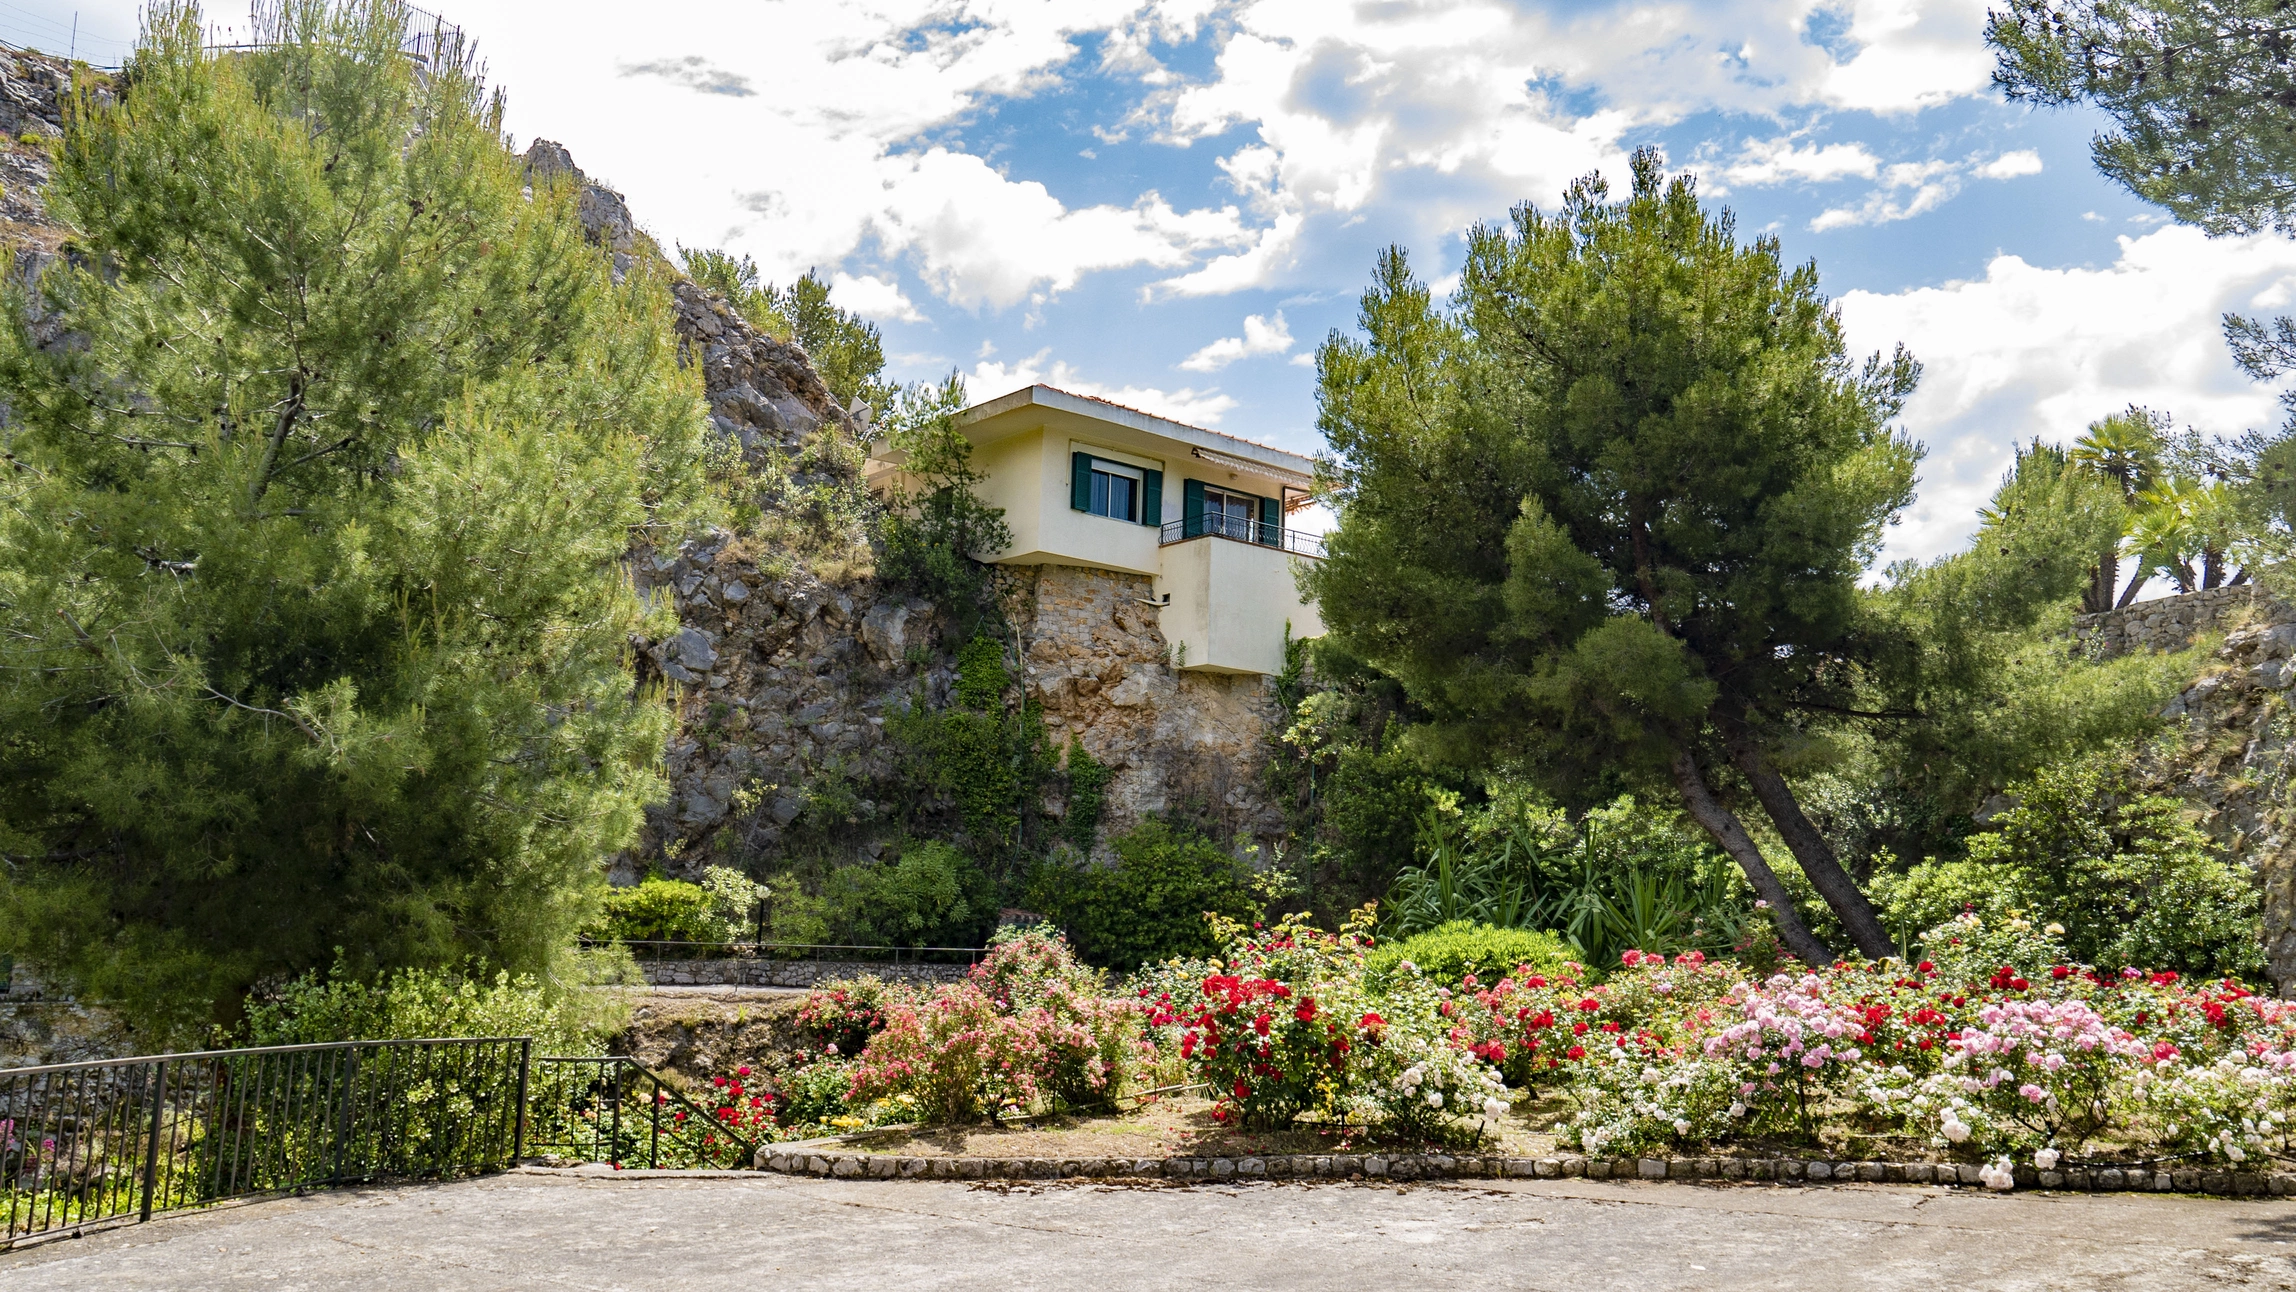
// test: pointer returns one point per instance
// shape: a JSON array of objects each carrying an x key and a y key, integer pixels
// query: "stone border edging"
[{"x": 1441, "y": 1166}]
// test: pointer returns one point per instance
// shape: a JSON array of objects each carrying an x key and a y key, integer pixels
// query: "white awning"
[{"x": 1237, "y": 462}]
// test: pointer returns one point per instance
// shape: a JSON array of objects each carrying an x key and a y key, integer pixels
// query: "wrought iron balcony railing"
[{"x": 1257, "y": 533}]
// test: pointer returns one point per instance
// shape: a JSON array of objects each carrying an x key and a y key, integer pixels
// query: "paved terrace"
[{"x": 689, "y": 1233}]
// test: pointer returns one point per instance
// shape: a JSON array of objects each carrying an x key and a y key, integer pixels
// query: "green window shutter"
[
  {"x": 1152, "y": 498},
  {"x": 1080, "y": 481},
  {"x": 1271, "y": 522},
  {"x": 1191, "y": 508}
]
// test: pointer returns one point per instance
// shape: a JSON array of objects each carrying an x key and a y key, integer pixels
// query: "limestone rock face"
[
  {"x": 2229, "y": 755},
  {"x": 780, "y": 683}
]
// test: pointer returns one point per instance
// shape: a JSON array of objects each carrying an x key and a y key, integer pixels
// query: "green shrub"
[
  {"x": 719, "y": 909},
  {"x": 1448, "y": 954},
  {"x": 1087, "y": 792},
  {"x": 1151, "y": 904},
  {"x": 932, "y": 895},
  {"x": 429, "y": 1002},
  {"x": 2133, "y": 881}
]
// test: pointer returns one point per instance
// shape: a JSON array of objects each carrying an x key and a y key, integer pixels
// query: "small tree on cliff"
[
  {"x": 1608, "y": 516},
  {"x": 313, "y": 625}
]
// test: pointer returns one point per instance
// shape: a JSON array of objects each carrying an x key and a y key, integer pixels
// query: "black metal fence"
[
  {"x": 614, "y": 1110},
  {"x": 667, "y": 949},
  {"x": 88, "y": 1144}
]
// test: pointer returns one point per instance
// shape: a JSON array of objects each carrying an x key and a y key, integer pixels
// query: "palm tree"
[
  {"x": 2182, "y": 530},
  {"x": 2124, "y": 448}
]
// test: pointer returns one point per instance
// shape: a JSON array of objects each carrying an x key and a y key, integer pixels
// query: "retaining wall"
[{"x": 787, "y": 973}]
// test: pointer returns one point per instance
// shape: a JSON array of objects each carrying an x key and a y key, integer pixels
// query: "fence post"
[
  {"x": 350, "y": 1071},
  {"x": 151, "y": 1149},
  {"x": 525, "y": 1066},
  {"x": 654, "y": 1140}
]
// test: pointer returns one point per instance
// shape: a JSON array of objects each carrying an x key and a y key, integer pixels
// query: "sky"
[{"x": 1171, "y": 203}]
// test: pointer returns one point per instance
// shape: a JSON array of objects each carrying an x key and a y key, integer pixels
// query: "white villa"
[{"x": 1084, "y": 482}]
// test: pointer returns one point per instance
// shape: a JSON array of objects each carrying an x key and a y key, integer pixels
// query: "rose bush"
[{"x": 1029, "y": 1029}]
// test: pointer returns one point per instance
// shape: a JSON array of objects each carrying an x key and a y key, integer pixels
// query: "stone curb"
[{"x": 1434, "y": 1166}]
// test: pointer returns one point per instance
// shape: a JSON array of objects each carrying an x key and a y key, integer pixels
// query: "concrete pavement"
[{"x": 687, "y": 1234}]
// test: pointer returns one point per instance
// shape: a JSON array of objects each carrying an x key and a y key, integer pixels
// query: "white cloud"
[
  {"x": 981, "y": 239},
  {"x": 1778, "y": 161},
  {"x": 807, "y": 133},
  {"x": 1931, "y": 183},
  {"x": 1916, "y": 54},
  {"x": 2030, "y": 351},
  {"x": 873, "y": 297},
  {"x": 2024, "y": 161},
  {"x": 1261, "y": 337},
  {"x": 992, "y": 377}
]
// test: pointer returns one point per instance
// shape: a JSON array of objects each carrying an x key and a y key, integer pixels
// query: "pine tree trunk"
[
  {"x": 1812, "y": 851},
  {"x": 1717, "y": 821}
]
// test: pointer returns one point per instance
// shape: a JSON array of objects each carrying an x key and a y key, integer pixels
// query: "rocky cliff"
[
  {"x": 790, "y": 655},
  {"x": 2227, "y": 750}
]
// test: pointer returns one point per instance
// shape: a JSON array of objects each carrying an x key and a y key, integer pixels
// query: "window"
[
  {"x": 1230, "y": 513},
  {"x": 1115, "y": 491},
  {"x": 1100, "y": 487}
]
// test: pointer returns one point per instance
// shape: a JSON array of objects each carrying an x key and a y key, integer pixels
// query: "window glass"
[
  {"x": 1230, "y": 513},
  {"x": 1115, "y": 491}
]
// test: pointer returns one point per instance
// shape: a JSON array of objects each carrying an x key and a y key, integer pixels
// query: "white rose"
[
  {"x": 1737, "y": 1110},
  {"x": 1956, "y": 1132},
  {"x": 2046, "y": 1159},
  {"x": 1434, "y": 1099}
]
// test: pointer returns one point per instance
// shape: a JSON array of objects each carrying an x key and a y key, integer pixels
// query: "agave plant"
[{"x": 1616, "y": 901}]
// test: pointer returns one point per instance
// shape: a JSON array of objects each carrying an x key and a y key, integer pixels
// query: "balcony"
[{"x": 1237, "y": 529}]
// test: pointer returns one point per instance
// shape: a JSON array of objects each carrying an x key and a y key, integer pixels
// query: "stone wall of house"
[{"x": 1193, "y": 743}]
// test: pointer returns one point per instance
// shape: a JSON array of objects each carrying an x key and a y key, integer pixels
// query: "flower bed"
[{"x": 1998, "y": 1054}]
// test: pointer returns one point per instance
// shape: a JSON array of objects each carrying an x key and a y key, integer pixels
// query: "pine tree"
[
  {"x": 314, "y": 628},
  {"x": 1607, "y": 517}
]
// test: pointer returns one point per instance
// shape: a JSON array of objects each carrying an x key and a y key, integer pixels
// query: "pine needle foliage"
[
  {"x": 313, "y": 623},
  {"x": 1607, "y": 515}
]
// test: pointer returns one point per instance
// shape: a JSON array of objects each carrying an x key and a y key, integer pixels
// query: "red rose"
[
  {"x": 1306, "y": 1011},
  {"x": 1575, "y": 1052}
]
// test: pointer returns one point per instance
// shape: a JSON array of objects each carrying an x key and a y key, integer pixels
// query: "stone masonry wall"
[
  {"x": 2171, "y": 623},
  {"x": 1094, "y": 656}
]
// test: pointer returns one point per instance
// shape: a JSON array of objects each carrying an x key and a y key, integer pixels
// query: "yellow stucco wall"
[{"x": 1230, "y": 602}]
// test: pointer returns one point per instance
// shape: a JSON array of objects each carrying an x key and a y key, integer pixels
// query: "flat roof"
[{"x": 1104, "y": 410}]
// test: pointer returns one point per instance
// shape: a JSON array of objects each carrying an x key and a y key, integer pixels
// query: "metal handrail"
[
  {"x": 114, "y": 1141},
  {"x": 583, "y": 1115},
  {"x": 1258, "y": 533},
  {"x": 751, "y": 950}
]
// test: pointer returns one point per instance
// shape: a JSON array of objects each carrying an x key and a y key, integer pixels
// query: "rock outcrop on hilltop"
[
  {"x": 32, "y": 90},
  {"x": 2227, "y": 750}
]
